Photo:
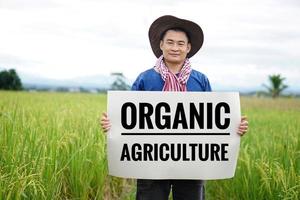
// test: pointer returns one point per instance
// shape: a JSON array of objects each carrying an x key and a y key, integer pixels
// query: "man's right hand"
[{"x": 105, "y": 122}]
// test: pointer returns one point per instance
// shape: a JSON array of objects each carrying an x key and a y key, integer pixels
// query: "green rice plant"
[
  {"x": 51, "y": 147},
  {"x": 269, "y": 160}
]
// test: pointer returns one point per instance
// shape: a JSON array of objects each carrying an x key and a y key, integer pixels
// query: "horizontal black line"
[{"x": 175, "y": 133}]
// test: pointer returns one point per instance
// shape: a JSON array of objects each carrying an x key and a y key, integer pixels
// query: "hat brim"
[{"x": 166, "y": 22}]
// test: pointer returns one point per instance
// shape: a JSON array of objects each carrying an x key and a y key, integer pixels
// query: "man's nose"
[{"x": 175, "y": 47}]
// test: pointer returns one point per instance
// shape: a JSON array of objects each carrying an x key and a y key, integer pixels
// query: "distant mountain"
[
  {"x": 103, "y": 82},
  {"x": 89, "y": 82},
  {"x": 251, "y": 89}
]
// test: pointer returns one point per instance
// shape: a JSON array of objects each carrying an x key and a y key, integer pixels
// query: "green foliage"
[
  {"x": 51, "y": 147},
  {"x": 120, "y": 82},
  {"x": 9, "y": 80},
  {"x": 269, "y": 162},
  {"x": 276, "y": 85}
]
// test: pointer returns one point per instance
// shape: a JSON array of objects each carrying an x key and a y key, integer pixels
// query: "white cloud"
[{"x": 247, "y": 40}]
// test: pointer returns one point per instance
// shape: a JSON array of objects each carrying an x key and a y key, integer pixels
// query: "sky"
[{"x": 244, "y": 40}]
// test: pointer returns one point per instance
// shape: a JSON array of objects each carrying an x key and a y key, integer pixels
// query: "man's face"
[{"x": 175, "y": 46}]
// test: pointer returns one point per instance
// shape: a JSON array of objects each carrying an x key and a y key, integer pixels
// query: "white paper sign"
[{"x": 173, "y": 135}]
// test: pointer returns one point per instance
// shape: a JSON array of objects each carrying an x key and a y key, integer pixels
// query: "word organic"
[{"x": 131, "y": 118}]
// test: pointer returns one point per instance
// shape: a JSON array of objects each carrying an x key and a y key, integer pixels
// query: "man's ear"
[
  {"x": 161, "y": 44},
  {"x": 189, "y": 47}
]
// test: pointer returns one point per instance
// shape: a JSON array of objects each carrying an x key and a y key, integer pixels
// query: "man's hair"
[{"x": 177, "y": 29}]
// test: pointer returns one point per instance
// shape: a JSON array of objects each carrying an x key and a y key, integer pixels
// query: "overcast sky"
[{"x": 244, "y": 41}]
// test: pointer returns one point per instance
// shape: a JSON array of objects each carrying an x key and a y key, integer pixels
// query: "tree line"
[{"x": 9, "y": 80}]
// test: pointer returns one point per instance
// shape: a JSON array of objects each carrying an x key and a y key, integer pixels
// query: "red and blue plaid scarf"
[{"x": 173, "y": 82}]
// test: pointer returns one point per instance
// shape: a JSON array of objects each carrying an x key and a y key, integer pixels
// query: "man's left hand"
[{"x": 243, "y": 128}]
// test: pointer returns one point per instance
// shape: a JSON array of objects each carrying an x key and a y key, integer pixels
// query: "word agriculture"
[{"x": 174, "y": 152}]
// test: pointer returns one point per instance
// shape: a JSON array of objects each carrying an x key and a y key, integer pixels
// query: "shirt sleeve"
[
  {"x": 138, "y": 84},
  {"x": 207, "y": 85}
]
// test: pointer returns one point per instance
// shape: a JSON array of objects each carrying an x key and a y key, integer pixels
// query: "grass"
[
  {"x": 269, "y": 160},
  {"x": 51, "y": 147}
]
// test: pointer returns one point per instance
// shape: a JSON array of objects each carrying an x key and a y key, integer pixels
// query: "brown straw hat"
[{"x": 166, "y": 22}]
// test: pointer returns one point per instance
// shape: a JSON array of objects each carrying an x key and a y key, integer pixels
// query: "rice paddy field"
[{"x": 51, "y": 147}]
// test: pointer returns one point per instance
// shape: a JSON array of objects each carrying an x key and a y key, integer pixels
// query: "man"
[{"x": 173, "y": 41}]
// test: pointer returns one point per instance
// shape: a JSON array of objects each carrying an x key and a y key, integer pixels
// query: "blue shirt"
[{"x": 150, "y": 80}]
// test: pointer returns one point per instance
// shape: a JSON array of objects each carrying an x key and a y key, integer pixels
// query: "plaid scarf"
[{"x": 173, "y": 82}]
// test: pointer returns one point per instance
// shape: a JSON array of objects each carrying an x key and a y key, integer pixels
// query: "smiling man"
[
  {"x": 175, "y": 46},
  {"x": 173, "y": 41}
]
